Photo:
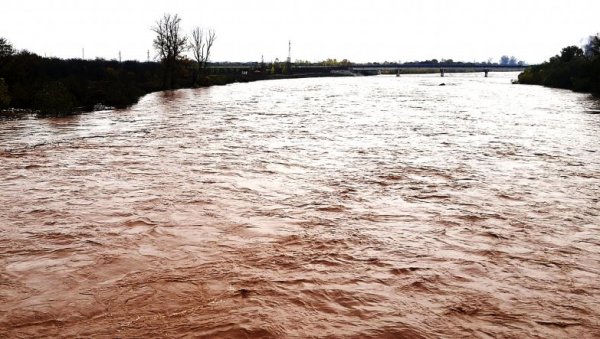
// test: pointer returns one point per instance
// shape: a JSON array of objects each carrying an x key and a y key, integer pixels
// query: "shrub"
[
  {"x": 54, "y": 99},
  {"x": 4, "y": 97}
]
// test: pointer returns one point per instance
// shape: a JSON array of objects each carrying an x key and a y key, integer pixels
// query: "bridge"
[
  {"x": 372, "y": 68},
  {"x": 442, "y": 68}
]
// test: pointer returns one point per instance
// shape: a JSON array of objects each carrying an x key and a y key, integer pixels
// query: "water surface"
[{"x": 341, "y": 207}]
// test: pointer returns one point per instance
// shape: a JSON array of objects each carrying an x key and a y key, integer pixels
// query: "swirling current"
[{"x": 360, "y": 207}]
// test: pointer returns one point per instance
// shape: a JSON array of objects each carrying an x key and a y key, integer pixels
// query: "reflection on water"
[{"x": 342, "y": 207}]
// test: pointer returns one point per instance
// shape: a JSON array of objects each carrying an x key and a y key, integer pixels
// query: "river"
[{"x": 361, "y": 207}]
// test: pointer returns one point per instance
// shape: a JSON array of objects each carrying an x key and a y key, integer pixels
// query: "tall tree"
[
  {"x": 197, "y": 46},
  {"x": 569, "y": 53},
  {"x": 592, "y": 48},
  {"x": 6, "y": 49},
  {"x": 201, "y": 43},
  {"x": 169, "y": 43},
  {"x": 211, "y": 36}
]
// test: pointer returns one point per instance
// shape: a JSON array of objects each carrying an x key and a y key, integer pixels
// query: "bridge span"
[{"x": 370, "y": 68}]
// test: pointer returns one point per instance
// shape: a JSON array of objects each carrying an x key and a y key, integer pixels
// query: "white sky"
[{"x": 359, "y": 30}]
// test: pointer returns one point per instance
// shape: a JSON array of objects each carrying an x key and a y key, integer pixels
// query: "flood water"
[{"x": 367, "y": 207}]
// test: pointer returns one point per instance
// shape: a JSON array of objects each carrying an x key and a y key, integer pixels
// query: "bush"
[
  {"x": 54, "y": 99},
  {"x": 4, "y": 97}
]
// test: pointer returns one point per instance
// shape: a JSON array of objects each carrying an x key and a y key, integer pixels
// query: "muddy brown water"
[{"x": 373, "y": 207}]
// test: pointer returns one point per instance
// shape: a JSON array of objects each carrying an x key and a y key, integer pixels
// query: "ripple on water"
[{"x": 377, "y": 207}]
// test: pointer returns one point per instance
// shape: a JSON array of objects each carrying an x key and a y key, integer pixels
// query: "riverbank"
[
  {"x": 54, "y": 87},
  {"x": 207, "y": 81},
  {"x": 578, "y": 76},
  {"x": 30, "y": 84}
]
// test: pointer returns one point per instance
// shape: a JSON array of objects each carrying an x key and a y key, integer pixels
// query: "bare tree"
[
  {"x": 211, "y": 36},
  {"x": 201, "y": 44},
  {"x": 197, "y": 46},
  {"x": 169, "y": 44}
]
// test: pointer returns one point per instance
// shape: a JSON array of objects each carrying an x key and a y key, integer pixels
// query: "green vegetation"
[
  {"x": 54, "y": 98},
  {"x": 328, "y": 62},
  {"x": 55, "y": 87},
  {"x": 4, "y": 97},
  {"x": 574, "y": 68}
]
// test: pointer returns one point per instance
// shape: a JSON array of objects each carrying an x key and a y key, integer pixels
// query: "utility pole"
[
  {"x": 119, "y": 56},
  {"x": 288, "y": 64},
  {"x": 83, "y": 53},
  {"x": 148, "y": 55}
]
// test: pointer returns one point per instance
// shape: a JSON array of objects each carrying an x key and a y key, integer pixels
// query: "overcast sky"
[{"x": 359, "y": 30}]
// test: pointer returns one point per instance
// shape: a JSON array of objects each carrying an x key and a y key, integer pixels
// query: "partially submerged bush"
[
  {"x": 54, "y": 99},
  {"x": 4, "y": 97}
]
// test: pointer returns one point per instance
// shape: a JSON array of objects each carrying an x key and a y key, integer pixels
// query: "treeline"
[
  {"x": 54, "y": 86},
  {"x": 575, "y": 68},
  {"x": 504, "y": 61}
]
